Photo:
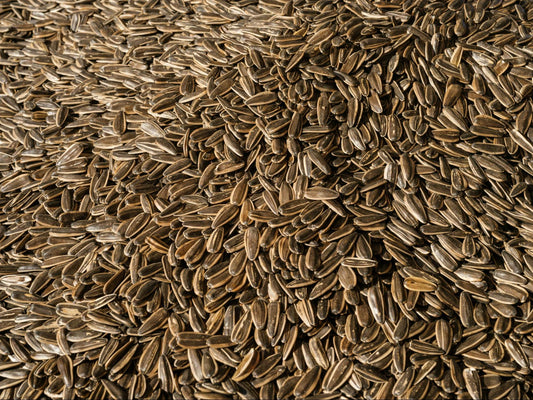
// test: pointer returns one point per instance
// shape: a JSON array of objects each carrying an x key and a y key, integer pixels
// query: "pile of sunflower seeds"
[{"x": 266, "y": 199}]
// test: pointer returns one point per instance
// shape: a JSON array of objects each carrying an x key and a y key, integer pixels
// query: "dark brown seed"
[
  {"x": 192, "y": 340},
  {"x": 251, "y": 242},
  {"x": 114, "y": 390},
  {"x": 261, "y": 99},
  {"x": 404, "y": 381},
  {"x": 307, "y": 382},
  {"x": 337, "y": 374},
  {"x": 473, "y": 383}
]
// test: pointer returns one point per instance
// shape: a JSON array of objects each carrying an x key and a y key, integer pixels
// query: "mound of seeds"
[{"x": 266, "y": 199}]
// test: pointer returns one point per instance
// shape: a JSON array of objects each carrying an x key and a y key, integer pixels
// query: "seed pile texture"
[{"x": 266, "y": 199}]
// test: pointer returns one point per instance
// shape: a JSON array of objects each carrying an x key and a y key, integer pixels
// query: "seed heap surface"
[{"x": 266, "y": 199}]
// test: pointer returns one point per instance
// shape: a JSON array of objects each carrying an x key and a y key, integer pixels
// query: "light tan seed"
[
  {"x": 419, "y": 284},
  {"x": 320, "y": 193}
]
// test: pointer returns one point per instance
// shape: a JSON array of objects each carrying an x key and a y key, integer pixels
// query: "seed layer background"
[{"x": 266, "y": 199}]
